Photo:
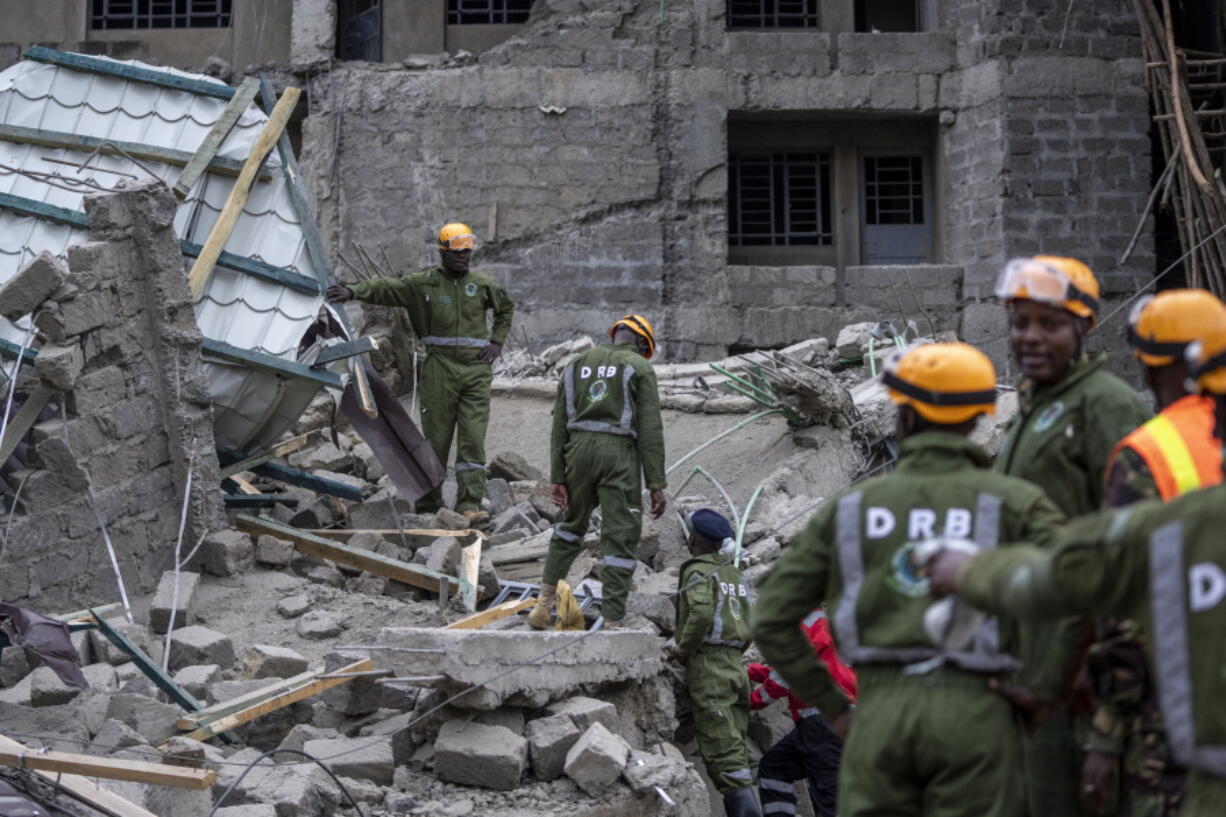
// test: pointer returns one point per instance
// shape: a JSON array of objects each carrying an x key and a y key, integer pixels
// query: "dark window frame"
[
  {"x": 487, "y": 12},
  {"x": 864, "y": 21},
  {"x": 780, "y": 198},
  {"x": 894, "y": 189},
  {"x": 106, "y": 15},
  {"x": 774, "y": 14},
  {"x": 351, "y": 16}
]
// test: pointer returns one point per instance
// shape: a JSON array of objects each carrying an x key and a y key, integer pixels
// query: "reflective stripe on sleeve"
[
  {"x": 565, "y": 535},
  {"x": 808, "y": 712},
  {"x": 779, "y": 807},
  {"x": 618, "y": 561},
  {"x": 814, "y": 617},
  {"x": 782, "y": 786},
  {"x": 469, "y": 343},
  {"x": 469, "y": 466}
]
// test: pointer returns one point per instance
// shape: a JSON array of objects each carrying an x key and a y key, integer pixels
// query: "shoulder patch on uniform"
[
  {"x": 470, "y": 289},
  {"x": 1048, "y": 416}
]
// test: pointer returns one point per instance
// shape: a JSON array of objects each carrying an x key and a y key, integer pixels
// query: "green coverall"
[
  {"x": 448, "y": 315},
  {"x": 1061, "y": 440},
  {"x": 1164, "y": 565},
  {"x": 928, "y": 738},
  {"x": 712, "y": 632},
  {"x": 606, "y": 429}
]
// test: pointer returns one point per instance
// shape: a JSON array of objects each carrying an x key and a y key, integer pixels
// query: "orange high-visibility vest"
[{"x": 1179, "y": 447}]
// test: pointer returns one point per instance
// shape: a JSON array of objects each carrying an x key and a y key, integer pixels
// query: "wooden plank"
[
  {"x": 257, "y": 269},
  {"x": 470, "y": 568},
  {"x": 478, "y": 620},
  {"x": 393, "y": 534},
  {"x": 292, "y": 476},
  {"x": 133, "y": 73},
  {"x": 268, "y": 363},
  {"x": 278, "y": 450},
  {"x": 136, "y": 771},
  {"x": 84, "y": 789},
  {"x": 250, "y": 713},
  {"x": 206, "y": 154},
  {"x": 47, "y": 212},
  {"x": 233, "y": 207},
  {"x": 146, "y": 665},
  {"x": 21, "y": 422},
  {"x": 344, "y": 349},
  {"x": 114, "y": 147},
  {"x": 312, "y": 545},
  {"x": 194, "y": 720}
]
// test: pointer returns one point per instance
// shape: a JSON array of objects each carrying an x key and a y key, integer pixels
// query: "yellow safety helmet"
[
  {"x": 639, "y": 326},
  {"x": 456, "y": 236},
  {"x": 1161, "y": 326},
  {"x": 1207, "y": 359},
  {"x": 946, "y": 383},
  {"x": 1051, "y": 279}
]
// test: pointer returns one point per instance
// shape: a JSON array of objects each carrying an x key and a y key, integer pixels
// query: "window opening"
[
  {"x": 359, "y": 34},
  {"x": 119, "y": 14},
  {"x": 888, "y": 15},
  {"x": 893, "y": 190},
  {"x": 779, "y": 199},
  {"x": 483, "y": 12},
  {"x": 772, "y": 13}
]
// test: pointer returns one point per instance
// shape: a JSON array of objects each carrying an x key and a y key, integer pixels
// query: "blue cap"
[{"x": 710, "y": 525}]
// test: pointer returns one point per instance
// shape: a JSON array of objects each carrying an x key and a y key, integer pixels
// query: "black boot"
[{"x": 742, "y": 803}]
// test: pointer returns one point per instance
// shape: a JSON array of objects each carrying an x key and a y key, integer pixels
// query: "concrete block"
[
  {"x": 226, "y": 553},
  {"x": 359, "y": 758},
  {"x": 46, "y": 689},
  {"x": 318, "y": 625},
  {"x": 14, "y": 665},
  {"x": 498, "y": 493},
  {"x": 295, "y": 605},
  {"x": 475, "y": 754},
  {"x": 266, "y": 661},
  {"x": 395, "y": 729},
  {"x": 444, "y": 556},
  {"x": 511, "y": 466},
  {"x": 138, "y": 634},
  {"x": 248, "y": 810},
  {"x": 153, "y": 719},
  {"x": 198, "y": 678},
  {"x": 549, "y": 739},
  {"x": 645, "y": 770},
  {"x": 59, "y": 366},
  {"x": 299, "y": 736},
  {"x": 200, "y": 645},
  {"x": 597, "y": 759},
  {"x": 33, "y": 284},
  {"x": 361, "y": 696},
  {"x": 451, "y": 520},
  {"x": 325, "y": 456},
  {"x": 470, "y": 657},
  {"x": 585, "y": 711},
  {"x": 164, "y": 598},
  {"x": 521, "y": 516},
  {"x": 273, "y": 552},
  {"x": 113, "y": 736}
]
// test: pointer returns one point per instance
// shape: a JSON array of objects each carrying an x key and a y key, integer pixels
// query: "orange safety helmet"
[
  {"x": 1207, "y": 359},
  {"x": 1161, "y": 326},
  {"x": 456, "y": 236},
  {"x": 1051, "y": 279},
  {"x": 639, "y": 326},
  {"x": 945, "y": 383}
]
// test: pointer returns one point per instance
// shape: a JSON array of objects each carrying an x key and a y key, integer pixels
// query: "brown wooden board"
[{"x": 112, "y": 768}]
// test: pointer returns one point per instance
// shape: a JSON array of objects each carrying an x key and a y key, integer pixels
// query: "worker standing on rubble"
[
  {"x": 1073, "y": 412},
  {"x": 607, "y": 430},
  {"x": 930, "y": 737},
  {"x": 447, "y": 307},
  {"x": 811, "y": 750},
  {"x": 1127, "y": 752},
  {"x": 1159, "y": 563},
  {"x": 712, "y": 631}
]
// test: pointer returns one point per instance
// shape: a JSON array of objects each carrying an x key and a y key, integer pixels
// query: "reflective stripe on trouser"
[
  {"x": 939, "y": 745},
  {"x": 810, "y": 752},
  {"x": 602, "y": 471},
  {"x": 719, "y": 698},
  {"x": 455, "y": 402}
]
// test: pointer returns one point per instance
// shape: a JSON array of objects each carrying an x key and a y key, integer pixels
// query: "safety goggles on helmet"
[
  {"x": 890, "y": 379},
  {"x": 467, "y": 241},
  {"x": 1033, "y": 280}
]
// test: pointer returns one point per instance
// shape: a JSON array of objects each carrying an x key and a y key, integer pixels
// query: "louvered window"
[{"x": 779, "y": 199}]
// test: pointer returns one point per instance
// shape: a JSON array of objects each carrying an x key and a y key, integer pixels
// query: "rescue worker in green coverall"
[
  {"x": 712, "y": 631},
  {"x": 447, "y": 307},
  {"x": 1072, "y": 414},
  {"x": 1162, "y": 564},
  {"x": 930, "y": 738},
  {"x": 607, "y": 429}
]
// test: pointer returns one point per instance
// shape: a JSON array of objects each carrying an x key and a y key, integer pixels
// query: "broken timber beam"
[
  {"x": 491, "y": 614},
  {"x": 470, "y": 569},
  {"x": 146, "y": 665},
  {"x": 278, "y": 450},
  {"x": 348, "y": 348},
  {"x": 393, "y": 534},
  {"x": 292, "y": 476},
  {"x": 195, "y": 720},
  {"x": 206, "y": 154},
  {"x": 235, "y": 202},
  {"x": 23, "y": 420},
  {"x": 112, "y": 768},
  {"x": 367, "y": 560},
  {"x": 121, "y": 70},
  {"x": 83, "y": 789},
  {"x": 250, "y": 713}
]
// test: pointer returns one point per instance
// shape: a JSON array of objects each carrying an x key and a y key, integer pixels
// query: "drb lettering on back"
[
  {"x": 733, "y": 589},
  {"x": 585, "y": 372},
  {"x": 921, "y": 523},
  {"x": 1206, "y": 586}
]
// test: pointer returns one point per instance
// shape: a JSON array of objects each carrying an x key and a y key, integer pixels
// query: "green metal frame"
[
  {"x": 147, "y": 665},
  {"x": 133, "y": 73},
  {"x": 268, "y": 363}
]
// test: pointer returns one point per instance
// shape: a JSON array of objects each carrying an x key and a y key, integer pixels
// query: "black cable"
[{"x": 270, "y": 753}]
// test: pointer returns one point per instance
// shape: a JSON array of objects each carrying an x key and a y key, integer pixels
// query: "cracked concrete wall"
[
  {"x": 138, "y": 417},
  {"x": 589, "y": 154}
]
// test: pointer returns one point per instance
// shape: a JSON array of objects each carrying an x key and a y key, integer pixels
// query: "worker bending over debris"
[
  {"x": 1160, "y": 564},
  {"x": 712, "y": 631},
  {"x": 1072, "y": 413},
  {"x": 1128, "y": 756},
  {"x": 447, "y": 307},
  {"x": 607, "y": 430},
  {"x": 810, "y": 751},
  {"x": 929, "y": 737}
]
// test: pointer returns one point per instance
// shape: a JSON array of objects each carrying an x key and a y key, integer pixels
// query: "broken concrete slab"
[
  {"x": 295, "y": 605},
  {"x": 444, "y": 556},
  {"x": 298, "y": 737},
  {"x": 115, "y": 735},
  {"x": 853, "y": 338},
  {"x": 226, "y": 553},
  {"x": 33, "y": 284},
  {"x": 476, "y": 754},
  {"x": 597, "y": 759},
  {"x": 46, "y": 689},
  {"x": 468, "y": 657},
  {"x": 360, "y": 758},
  {"x": 138, "y": 634},
  {"x": 59, "y": 365},
  {"x": 549, "y": 739},
  {"x": 360, "y": 696},
  {"x": 513, "y": 467},
  {"x": 200, "y": 645},
  {"x": 197, "y": 679},
  {"x": 166, "y": 600},
  {"x": 273, "y": 552},
  {"x": 153, "y": 719},
  {"x": 584, "y": 712},
  {"x": 318, "y": 625},
  {"x": 267, "y": 661}
]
